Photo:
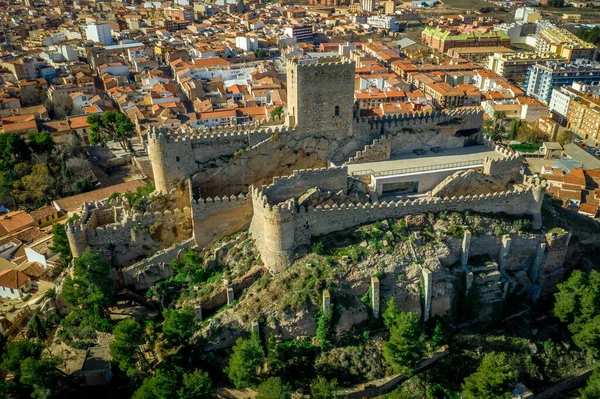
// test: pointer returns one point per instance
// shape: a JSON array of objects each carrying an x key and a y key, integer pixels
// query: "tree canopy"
[
  {"x": 321, "y": 388},
  {"x": 494, "y": 379},
  {"x": 578, "y": 299},
  {"x": 274, "y": 388},
  {"x": 33, "y": 372},
  {"x": 169, "y": 384},
  {"x": 111, "y": 125},
  {"x": 589, "y": 35},
  {"x": 129, "y": 335},
  {"x": 247, "y": 358},
  {"x": 196, "y": 385},
  {"x": 406, "y": 345},
  {"x": 179, "y": 325}
]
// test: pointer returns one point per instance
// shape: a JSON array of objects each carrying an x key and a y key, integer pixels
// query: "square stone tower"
[{"x": 321, "y": 96}]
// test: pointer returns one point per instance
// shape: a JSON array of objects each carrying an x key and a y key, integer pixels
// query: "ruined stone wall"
[
  {"x": 379, "y": 150},
  {"x": 133, "y": 236},
  {"x": 215, "y": 218},
  {"x": 445, "y": 129},
  {"x": 257, "y": 166},
  {"x": 144, "y": 274},
  {"x": 331, "y": 179},
  {"x": 281, "y": 228}
]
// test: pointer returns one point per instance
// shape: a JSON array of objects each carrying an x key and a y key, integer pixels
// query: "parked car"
[{"x": 577, "y": 140}]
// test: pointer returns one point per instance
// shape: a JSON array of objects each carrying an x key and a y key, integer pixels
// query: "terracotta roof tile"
[{"x": 13, "y": 279}]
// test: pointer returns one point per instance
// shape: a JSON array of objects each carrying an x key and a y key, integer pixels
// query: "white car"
[{"x": 577, "y": 140}]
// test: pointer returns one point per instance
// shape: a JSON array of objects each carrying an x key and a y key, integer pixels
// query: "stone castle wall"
[
  {"x": 128, "y": 236},
  {"x": 178, "y": 156},
  {"x": 215, "y": 218},
  {"x": 281, "y": 228},
  {"x": 331, "y": 179},
  {"x": 144, "y": 274},
  {"x": 379, "y": 150},
  {"x": 508, "y": 168},
  {"x": 321, "y": 96}
]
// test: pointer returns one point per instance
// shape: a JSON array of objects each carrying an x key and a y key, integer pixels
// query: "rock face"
[
  {"x": 418, "y": 263},
  {"x": 470, "y": 182}
]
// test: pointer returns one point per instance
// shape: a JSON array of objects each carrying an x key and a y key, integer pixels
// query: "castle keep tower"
[{"x": 321, "y": 96}]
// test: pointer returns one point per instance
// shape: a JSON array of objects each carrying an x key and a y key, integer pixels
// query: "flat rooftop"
[
  {"x": 586, "y": 159},
  {"x": 429, "y": 160}
]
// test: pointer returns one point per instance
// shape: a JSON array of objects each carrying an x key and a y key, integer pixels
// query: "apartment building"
[
  {"x": 584, "y": 117},
  {"x": 541, "y": 79},
  {"x": 302, "y": 33},
  {"x": 443, "y": 39},
  {"x": 514, "y": 66},
  {"x": 564, "y": 44}
]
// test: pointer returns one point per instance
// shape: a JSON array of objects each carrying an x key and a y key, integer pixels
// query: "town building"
[
  {"x": 302, "y": 33},
  {"x": 514, "y": 66},
  {"x": 99, "y": 33},
  {"x": 443, "y": 39},
  {"x": 564, "y": 44},
  {"x": 367, "y": 5},
  {"x": 541, "y": 78},
  {"x": 583, "y": 117}
]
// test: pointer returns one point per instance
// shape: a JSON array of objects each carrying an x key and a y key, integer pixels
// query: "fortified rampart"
[
  {"x": 215, "y": 218},
  {"x": 124, "y": 236},
  {"x": 397, "y": 134},
  {"x": 176, "y": 156},
  {"x": 280, "y": 228},
  {"x": 144, "y": 274},
  {"x": 507, "y": 168}
]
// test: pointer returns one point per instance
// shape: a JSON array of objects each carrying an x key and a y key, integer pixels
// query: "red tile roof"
[{"x": 13, "y": 279}]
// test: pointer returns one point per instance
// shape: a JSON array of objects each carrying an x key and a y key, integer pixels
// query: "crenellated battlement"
[
  {"x": 214, "y": 136},
  {"x": 460, "y": 115},
  {"x": 280, "y": 225},
  {"x": 379, "y": 150},
  {"x": 507, "y": 167},
  {"x": 204, "y": 206},
  {"x": 325, "y": 62}
]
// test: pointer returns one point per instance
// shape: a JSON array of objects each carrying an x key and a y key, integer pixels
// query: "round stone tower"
[{"x": 77, "y": 239}]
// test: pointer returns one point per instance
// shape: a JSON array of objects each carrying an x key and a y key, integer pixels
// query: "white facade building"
[
  {"x": 560, "y": 100},
  {"x": 383, "y": 22},
  {"x": 99, "y": 33},
  {"x": 367, "y": 5},
  {"x": 246, "y": 43}
]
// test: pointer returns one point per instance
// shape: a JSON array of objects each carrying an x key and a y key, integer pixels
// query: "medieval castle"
[{"x": 232, "y": 177}]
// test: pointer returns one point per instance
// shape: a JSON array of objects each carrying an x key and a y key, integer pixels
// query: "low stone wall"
[
  {"x": 219, "y": 298},
  {"x": 382, "y": 386},
  {"x": 148, "y": 272},
  {"x": 565, "y": 386},
  {"x": 379, "y": 150},
  {"x": 331, "y": 179}
]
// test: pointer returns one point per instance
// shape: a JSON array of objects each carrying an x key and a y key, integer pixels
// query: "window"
[
  {"x": 176, "y": 159},
  {"x": 337, "y": 110}
]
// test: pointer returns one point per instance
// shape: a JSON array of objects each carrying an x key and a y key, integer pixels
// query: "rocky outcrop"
[
  {"x": 417, "y": 260},
  {"x": 470, "y": 182}
]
